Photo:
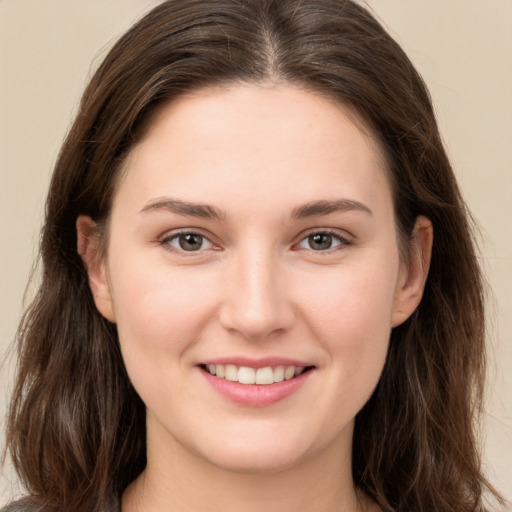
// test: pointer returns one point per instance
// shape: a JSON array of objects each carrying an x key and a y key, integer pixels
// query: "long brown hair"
[{"x": 76, "y": 429}]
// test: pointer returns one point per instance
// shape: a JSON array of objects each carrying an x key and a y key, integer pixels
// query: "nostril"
[{"x": 255, "y": 325}]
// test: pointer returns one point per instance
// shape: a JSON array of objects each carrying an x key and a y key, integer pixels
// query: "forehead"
[
  {"x": 287, "y": 108},
  {"x": 267, "y": 142}
]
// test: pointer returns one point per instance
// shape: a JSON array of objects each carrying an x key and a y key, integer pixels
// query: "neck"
[{"x": 178, "y": 480}]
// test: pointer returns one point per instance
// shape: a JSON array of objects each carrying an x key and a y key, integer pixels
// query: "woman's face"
[{"x": 252, "y": 236}]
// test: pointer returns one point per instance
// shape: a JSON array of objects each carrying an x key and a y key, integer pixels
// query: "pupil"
[
  {"x": 191, "y": 242},
  {"x": 320, "y": 241}
]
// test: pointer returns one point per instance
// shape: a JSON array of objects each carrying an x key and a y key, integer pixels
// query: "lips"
[{"x": 256, "y": 383}]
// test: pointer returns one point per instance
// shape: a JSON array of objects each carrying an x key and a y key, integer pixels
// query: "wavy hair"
[{"x": 76, "y": 428}]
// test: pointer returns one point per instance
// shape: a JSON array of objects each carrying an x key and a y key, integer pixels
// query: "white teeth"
[
  {"x": 264, "y": 375},
  {"x": 289, "y": 373},
  {"x": 279, "y": 374},
  {"x": 248, "y": 375},
  {"x": 231, "y": 372}
]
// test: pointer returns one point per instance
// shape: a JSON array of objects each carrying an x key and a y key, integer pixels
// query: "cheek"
[
  {"x": 157, "y": 308},
  {"x": 351, "y": 316},
  {"x": 357, "y": 299},
  {"x": 160, "y": 315}
]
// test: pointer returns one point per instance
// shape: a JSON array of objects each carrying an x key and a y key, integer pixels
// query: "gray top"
[{"x": 31, "y": 505}]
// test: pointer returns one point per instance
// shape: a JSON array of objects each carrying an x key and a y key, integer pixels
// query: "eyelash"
[
  {"x": 166, "y": 241},
  {"x": 335, "y": 235}
]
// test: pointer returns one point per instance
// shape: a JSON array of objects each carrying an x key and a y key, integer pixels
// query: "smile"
[
  {"x": 256, "y": 384},
  {"x": 261, "y": 376}
]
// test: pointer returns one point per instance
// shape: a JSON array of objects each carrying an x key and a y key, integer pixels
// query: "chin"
[
  {"x": 254, "y": 461},
  {"x": 269, "y": 451}
]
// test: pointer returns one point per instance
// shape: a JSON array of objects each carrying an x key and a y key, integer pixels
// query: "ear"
[
  {"x": 88, "y": 246},
  {"x": 413, "y": 273}
]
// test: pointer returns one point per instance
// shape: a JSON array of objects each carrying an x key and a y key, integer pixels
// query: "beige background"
[{"x": 463, "y": 48}]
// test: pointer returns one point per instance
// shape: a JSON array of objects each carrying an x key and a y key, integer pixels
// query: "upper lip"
[{"x": 257, "y": 362}]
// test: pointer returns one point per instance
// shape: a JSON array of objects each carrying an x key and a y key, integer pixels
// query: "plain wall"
[{"x": 463, "y": 48}]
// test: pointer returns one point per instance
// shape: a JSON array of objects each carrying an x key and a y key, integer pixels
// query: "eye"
[
  {"x": 188, "y": 242},
  {"x": 322, "y": 241}
]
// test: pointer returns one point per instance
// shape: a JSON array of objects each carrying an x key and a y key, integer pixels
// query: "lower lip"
[{"x": 256, "y": 395}]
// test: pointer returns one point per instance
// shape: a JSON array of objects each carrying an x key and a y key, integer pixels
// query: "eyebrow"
[
  {"x": 206, "y": 211},
  {"x": 185, "y": 208},
  {"x": 324, "y": 207}
]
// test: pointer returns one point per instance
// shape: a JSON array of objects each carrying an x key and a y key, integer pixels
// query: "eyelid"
[
  {"x": 165, "y": 240},
  {"x": 344, "y": 239}
]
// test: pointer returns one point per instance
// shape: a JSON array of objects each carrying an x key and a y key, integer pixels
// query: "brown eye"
[
  {"x": 322, "y": 241},
  {"x": 189, "y": 242}
]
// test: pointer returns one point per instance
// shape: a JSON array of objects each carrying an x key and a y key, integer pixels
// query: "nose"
[{"x": 256, "y": 302}]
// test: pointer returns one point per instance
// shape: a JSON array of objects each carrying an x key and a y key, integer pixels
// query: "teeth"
[
  {"x": 231, "y": 372},
  {"x": 264, "y": 375},
  {"x": 279, "y": 374},
  {"x": 289, "y": 373},
  {"x": 247, "y": 375},
  {"x": 220, "y": 371}
]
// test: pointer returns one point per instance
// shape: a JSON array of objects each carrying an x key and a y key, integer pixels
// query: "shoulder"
[
  {"x": 27, "y": 504},
  {"x": 21, "y": 506},
  {"x": 32, "y": 505}
]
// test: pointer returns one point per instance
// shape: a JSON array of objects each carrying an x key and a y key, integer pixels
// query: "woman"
[{"x": 191, "y": 350}]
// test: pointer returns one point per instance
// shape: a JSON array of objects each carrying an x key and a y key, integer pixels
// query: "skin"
[{"x": 256, "y": 287}]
